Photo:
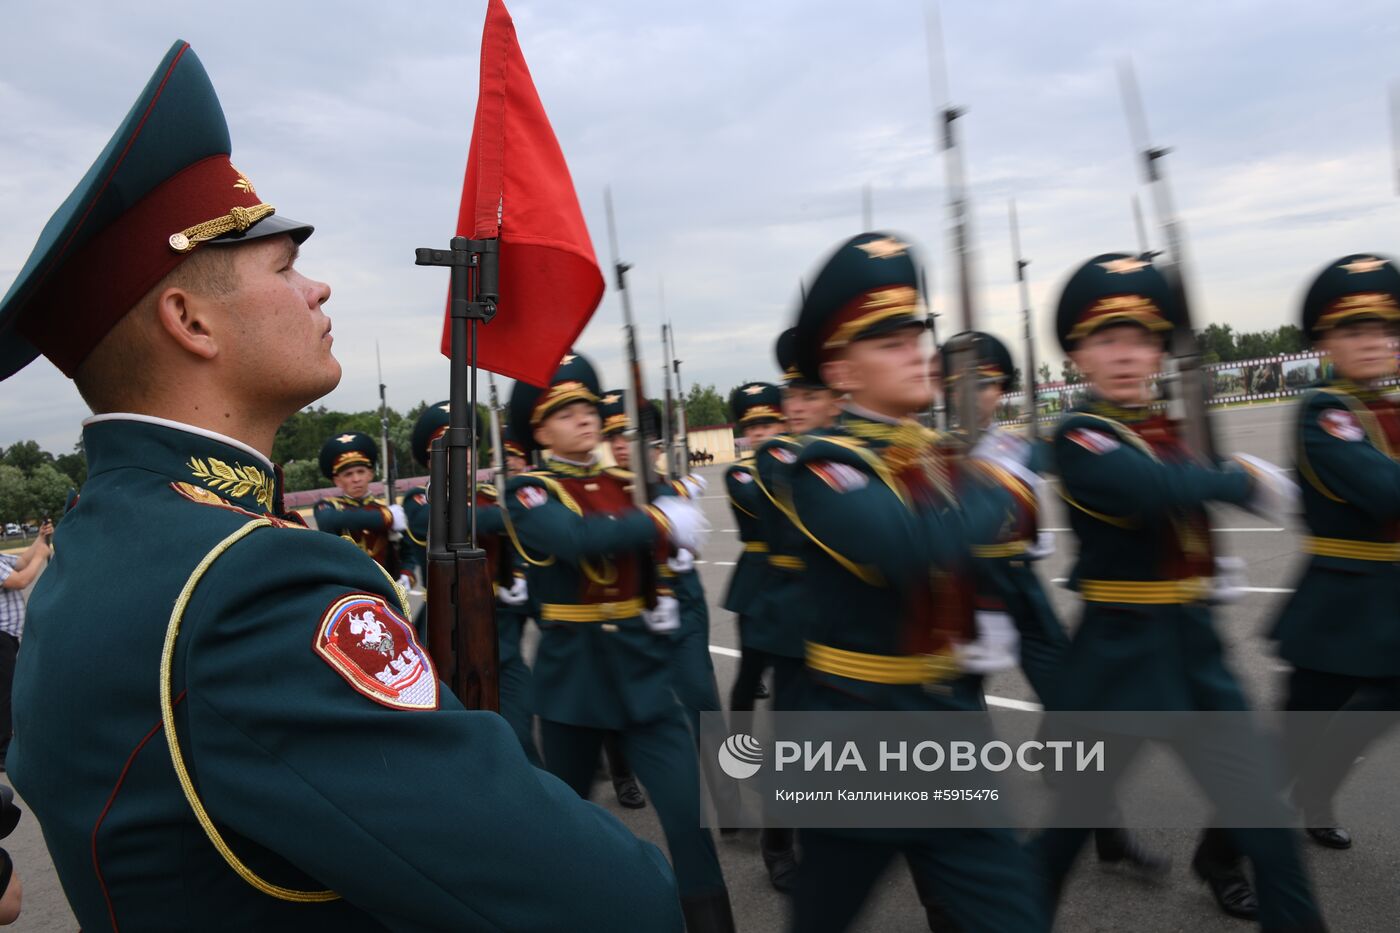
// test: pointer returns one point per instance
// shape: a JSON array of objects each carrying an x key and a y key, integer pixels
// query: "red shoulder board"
[
  {"x": 1341, "y": 424},
  {"x": 1096, "y": 442},
  {"x": 376, "y": 650}
]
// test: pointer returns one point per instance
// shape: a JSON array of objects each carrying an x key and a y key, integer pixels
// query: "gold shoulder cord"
[
  {"x": 783, "y": 500},
  {"x": 1369, "y": 423},
  {"x": 167, "y": 717},
  {"x": 564, "y": 497}
]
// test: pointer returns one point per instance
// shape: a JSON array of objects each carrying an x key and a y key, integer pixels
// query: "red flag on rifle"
[{"x": 518, "y": 189}]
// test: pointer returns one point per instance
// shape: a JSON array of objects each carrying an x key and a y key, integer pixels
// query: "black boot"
[
  {"x": 708, "y": 913},
  {"x": 1220, "y": 866},
  {"x": 1333, "y": 837},
  {"x": 628, "y": 793},
  {"x": 1117, "y": 846},
  {"x": 779, "y": 858}
]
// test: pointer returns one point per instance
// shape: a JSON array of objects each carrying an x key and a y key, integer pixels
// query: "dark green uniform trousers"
[
  {"x": 515, "y": 685},
  {"x": 662, "y": 755},
  {"x": 1321, "y": 749}
]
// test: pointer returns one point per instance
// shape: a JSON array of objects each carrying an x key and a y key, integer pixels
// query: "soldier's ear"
[
  {"x": 186, "y": 318},
  {"x": 839, "y": 374}
]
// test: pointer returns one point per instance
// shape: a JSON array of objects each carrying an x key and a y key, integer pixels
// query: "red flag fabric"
[{"x": 517, "y": 188}]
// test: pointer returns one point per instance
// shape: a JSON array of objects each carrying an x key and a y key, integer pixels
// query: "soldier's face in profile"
[
  {"x": 621, "y": 451},
  {"x": 808, "y": 409},
  {"x": 988, "y": 398},
  {"x": 515, "y": 464},
  {"x": 277, "y": 340},
  {"x": 1363, "y": 351},
  {"x": 1119, "y": 362},
  {"x": 354, "y": 481},
  {"x": 571, "y": 431},
  {"x": 756, "y": 434},
  {"x": 888, "y": 373}
]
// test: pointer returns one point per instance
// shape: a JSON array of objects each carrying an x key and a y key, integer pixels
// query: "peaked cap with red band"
[
  {"x": 868, "y": 286},
  {"x": 1113, "y": 289},
  {"x": 162, "y": 189}
]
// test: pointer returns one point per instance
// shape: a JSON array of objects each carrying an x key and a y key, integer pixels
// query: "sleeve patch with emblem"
[
  {"x": 1096, "y": 442},
  {"x": 420, "y": 498},
  {"x": 841, "y": 477},
  {"x": 1341, "y": 424},
  {"x": 531, "y": 496},
  {"x": 783, "y": 454},
  {"x": 743, "y": 476},
  {"x": 377, "y": 652}
]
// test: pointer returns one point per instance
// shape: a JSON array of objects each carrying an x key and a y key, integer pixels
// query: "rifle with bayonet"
[
  {"x": 1185, "y": 350},
  {"x": 461, "y": 602},
  {"x": 1028, "y": 382},
  {"x": 683, "y": 435},
  {"x": 498, "y": 450},
  {"x": 643, "y": 470},
  {"x": 667, "y": 407},
  {"x": 963, "y": 354}
]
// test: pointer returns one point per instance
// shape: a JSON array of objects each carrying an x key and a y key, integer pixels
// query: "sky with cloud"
[{"x": 737, "y": 138}]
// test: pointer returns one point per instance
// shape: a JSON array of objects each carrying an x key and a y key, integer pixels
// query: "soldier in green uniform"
[
  {"x": 372, "y": 525},
  {"x": 512, "y": 594},
  {"x": 1009, "y": 590},
  {"x": 604, "y": 662},
  {"x": 807, "y": 405},
  {"x": 262, "y": 742},
  {"x": 1347, "y": 441},
  {"x": 1146, "y": 568},
  {"x": 758, "y": 410},
  {"x": 889, "y": 522}
]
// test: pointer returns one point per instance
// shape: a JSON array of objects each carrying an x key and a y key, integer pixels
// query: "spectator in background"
[{"x": 17, "y": 571}]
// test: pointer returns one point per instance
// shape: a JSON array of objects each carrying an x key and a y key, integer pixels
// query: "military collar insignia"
[
  {"x": 579, "y": 470},
  {"x": 204, "y": 497},
  {"x": 1125, "y": 265},
  {"x": 233, "y": 481},
  {"x": 1367, "y": 264},
  {"x": 884, "y": 248},
  {"x": 374, "y": 648}
]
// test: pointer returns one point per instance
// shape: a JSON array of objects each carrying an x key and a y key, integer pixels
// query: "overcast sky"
[{"x": 737, "y": 138}]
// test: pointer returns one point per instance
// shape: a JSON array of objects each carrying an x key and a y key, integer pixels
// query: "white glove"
[
  {"x": 516, "y": 594},
  {"x": 400, "y": 519},
  {"x": 666, "y": 617},
  {"x": 683, "y": 562},
  {"x": 1228, "y": 584},
  {"x": 405, "y": 582},
  {"x": 997, "y": 648},
  {"x": 689, "y": 526},
  {"x": 695, "y": 484},
  {"x": 1043, "y": 546},
  {"x": 1274, "y": 495}
]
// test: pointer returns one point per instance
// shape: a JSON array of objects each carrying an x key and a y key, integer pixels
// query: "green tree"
[
  {"x": 73, "y": 465},
  {"x": 705, "y": 407},
  {"x": 1045, "y": 376},
  {"x": 1291, "y": 339},
  {"x": 300, "y": 475},
  {"x": 26, "y": 455},
  {"x": 48, "y": 491},
  {"x": 1068, "y": 372},
  {"x": 1217, "y": 344},
  {"x": 15, "y": 504}
]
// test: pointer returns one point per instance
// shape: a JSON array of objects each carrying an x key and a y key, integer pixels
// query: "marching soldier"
[
  {"x": 758, "y": 410},
  {"x": 807, "y": 405},
  {"x": 1010, "y": 589},
  {"x": 508, "y": 582},
  {"x": 372, "y": 525},
  {"x": 274, "y": 750},
  {"x": 604, "y": 662},
  {"x": 888, "y": 530},
  {"x": 1347, "y": 442},
  {"x": 1145, "y": 571}
]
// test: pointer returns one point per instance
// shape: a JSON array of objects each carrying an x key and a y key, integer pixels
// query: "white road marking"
[
  {"x": 725, "y": 563},
  {"x": 727, "y": 652}
]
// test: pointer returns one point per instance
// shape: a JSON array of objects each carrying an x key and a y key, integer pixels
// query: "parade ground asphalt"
[{"x": 1359, "y": 889}]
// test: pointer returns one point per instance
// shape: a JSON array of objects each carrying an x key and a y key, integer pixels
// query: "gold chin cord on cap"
[{"x": 237, "y": 220}]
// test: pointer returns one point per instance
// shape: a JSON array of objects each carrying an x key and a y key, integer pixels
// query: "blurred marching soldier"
[
  {"x": 1009, "y": 589},
  {"x": 373, "y": 525},
  {"x": 604, "y": 662},
  {"x": 807, "y": 406},
  {"x": 889, "y": 523},
  {"x": 1145, "y": 573},
  {"x": 758, "y": 410},
  {"x": 1347, "y": 442},
  {"x": 263, "y": 742},
  {"x": 512, "y": 593}
]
